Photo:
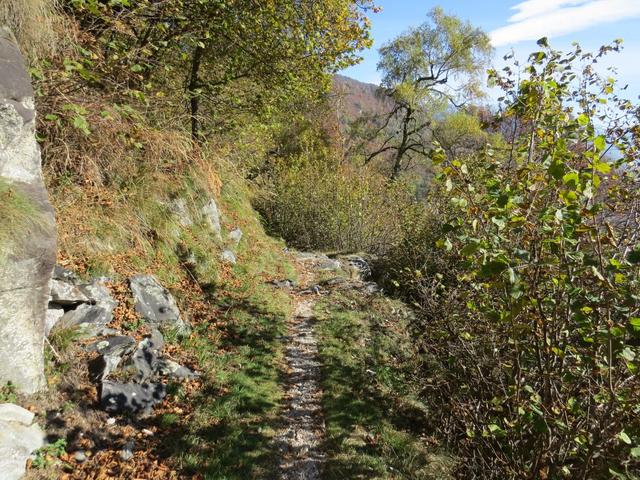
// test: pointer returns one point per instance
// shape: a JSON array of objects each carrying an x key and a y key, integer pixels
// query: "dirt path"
[{"x": 300, "y": 440}]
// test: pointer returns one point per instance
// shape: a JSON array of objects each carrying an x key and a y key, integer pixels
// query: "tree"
[
  {"x": 197, "y": 49},
  {"x": 424, "y": 70}
]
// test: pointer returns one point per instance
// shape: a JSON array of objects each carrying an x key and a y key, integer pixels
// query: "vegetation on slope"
[{"x": 512, "y": 232}]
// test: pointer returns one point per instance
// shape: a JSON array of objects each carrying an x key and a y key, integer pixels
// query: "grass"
[
  {"x": 230, "y": 435},
  {"x": 237, "y": 410},
  {"x": 376, "y": 429},
  {"x": 31, "y": 22}
]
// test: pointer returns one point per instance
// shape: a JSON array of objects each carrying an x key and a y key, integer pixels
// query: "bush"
[
  {"x": 336, "y": 207},
  {"x": 530, "y": 311}
]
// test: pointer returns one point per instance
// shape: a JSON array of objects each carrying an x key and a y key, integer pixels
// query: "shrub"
[
  {"x": 336, "y": 207},
  {"x": 531, "y": 316}
]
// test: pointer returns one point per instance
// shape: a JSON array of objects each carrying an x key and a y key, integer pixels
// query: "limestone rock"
[
  {"x": 235, "y": 236},
  {"x": 18, "y": 440},
  {"x": 212, "y": 216},
  {"x": 155, "y": 304},
  {"x": 26, "y": 271},
  {"x": 228, "y": 256}
]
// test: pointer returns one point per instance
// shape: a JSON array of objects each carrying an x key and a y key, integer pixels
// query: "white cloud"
[{"x": 552, "y": 18}]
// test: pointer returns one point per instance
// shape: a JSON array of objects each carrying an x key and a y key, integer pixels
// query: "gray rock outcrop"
[
  {"x": 19, "y": 438},
  {"x": 26, "y": 267},
  {"x": 155, "y": 304},
  {"x": 212, "y": 216},
  {"x": 227, "y": 256},
  {"x": 87, "y": 306}
]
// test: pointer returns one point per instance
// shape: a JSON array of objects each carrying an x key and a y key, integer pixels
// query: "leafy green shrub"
[
  {"x": 336, "y": 207},
  {"x": 46, "y": 455},
  {"x": 531, "y": 317}
]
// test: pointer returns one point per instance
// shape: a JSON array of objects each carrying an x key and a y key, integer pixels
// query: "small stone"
[
  {"x": 212, "y": 216},
  {"x": 228, "y": 257},
  {"x": 111, "y": 421},
  {"x": 235, "y": 236},
  {"x": 127, "y": 452},
  {"x": 80, "y": 457}
]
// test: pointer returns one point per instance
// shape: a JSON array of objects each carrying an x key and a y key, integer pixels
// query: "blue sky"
[{"x": 516, "y": 24}]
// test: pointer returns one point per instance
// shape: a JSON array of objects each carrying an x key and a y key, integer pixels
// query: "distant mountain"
[{"x": 354, "y": 99}]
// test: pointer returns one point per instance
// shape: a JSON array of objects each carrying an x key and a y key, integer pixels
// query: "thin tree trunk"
[{"x": 194, "y": 97}]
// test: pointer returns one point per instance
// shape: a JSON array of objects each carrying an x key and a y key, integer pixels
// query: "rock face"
[
  {"x": 26, "y": 271},
  {"x": 18, "y": 440}
]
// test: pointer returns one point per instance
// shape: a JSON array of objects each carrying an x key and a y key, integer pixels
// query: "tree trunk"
[{"x": 194, "y": 96}]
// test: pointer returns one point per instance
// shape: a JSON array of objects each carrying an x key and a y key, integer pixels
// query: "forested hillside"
[{"x": 266, "y": 270}]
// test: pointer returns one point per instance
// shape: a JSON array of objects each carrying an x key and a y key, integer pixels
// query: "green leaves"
[{"x": 599, "y": 143}]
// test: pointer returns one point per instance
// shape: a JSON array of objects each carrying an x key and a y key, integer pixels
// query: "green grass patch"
[
  {"x": 376, "y": 427},
  {"x": 231, "y": 433}
]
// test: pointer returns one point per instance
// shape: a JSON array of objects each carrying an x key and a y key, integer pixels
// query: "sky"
[{"x": 517, "y": 24}]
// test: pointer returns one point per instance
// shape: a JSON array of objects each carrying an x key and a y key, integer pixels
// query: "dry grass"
[{"x": 32, "y": 22}]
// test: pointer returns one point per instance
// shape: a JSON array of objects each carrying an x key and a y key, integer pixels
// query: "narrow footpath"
[{"x": 301, "y": 437}]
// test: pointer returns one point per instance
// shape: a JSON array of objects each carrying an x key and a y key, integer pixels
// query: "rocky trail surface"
[
  {"x": 302, "y": 434},
  {"x": 300, "y": 439}
]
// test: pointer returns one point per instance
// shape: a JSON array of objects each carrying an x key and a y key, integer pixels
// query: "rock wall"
[{"x": 25, "y": 273}]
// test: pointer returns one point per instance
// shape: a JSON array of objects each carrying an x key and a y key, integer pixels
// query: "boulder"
[
  {"x": 131, "y": 397},
  {"x": 212, "y": 216},
  {"x": 25, "y": 269},
  {"x": 18, "y": 440},
  {"x": 91, "y": 320},
  {"x": 155, "y": 304},
  {"x": 99, "y": 295}
]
